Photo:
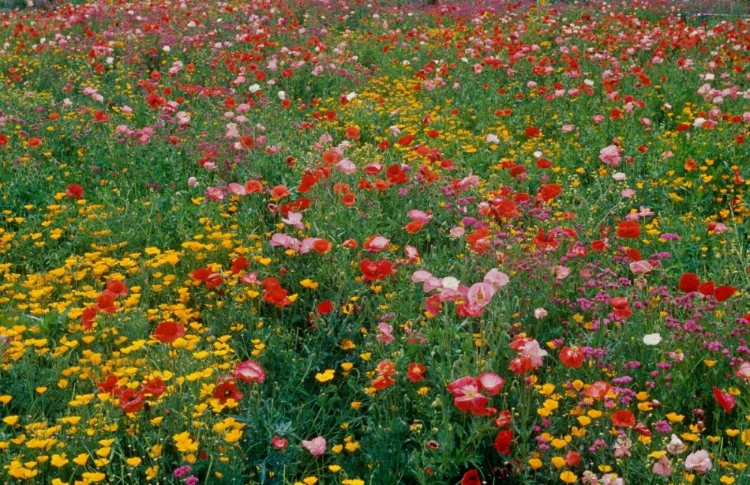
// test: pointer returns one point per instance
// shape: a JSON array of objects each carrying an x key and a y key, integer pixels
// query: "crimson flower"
[
  {"x": 75, "y": 191},
  {"x": 572, "y": 357},
  {"x": 131, "y": 401},
  {"x": 629, "y": 230},
  {"x": 623, "y": 419},
  {"x": 503, "y": 441},
  {"x": 375, "y": 270},
  {"x": 168, "y": 332},
  {"x": 689, "y": 282},
  {"x": 723, "y": 292},
  {"x": 471, "y": 478},
  {"x": 227, "y": 390},
  {"x": 725, "y": 400}
]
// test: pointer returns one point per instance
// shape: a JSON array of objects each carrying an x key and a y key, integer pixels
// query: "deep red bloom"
[
  {"x": 572, "y": 357},
  {"x": 109, "y": 386},
  {"x": 405, "y": 140},
  {"x": 723, "y": 292},
  {"x": 88, "y": 317},
  {"x": 471, "y": 478},
  {"x": 623, "y": 419},
  {"x": 549, "y": 192},
  {"x": 325, "y": 307},
  {"x": 546, "y": 241},
  {"x": 375, "y": 270},
  {"x": 75, "y": 191},
  {"x": 503, "y": 441},
  {"x": 629, "y": 230},
  {"x": 707, "y": 288},
  {"x": 239, "y": 264},
  {"x": 532, "y": 132},
  {"x": 227, "y": 390},
  {"x": 168, "y": 332},
  {"x": 573, "y": 458},
  {"x": 153, "y": 387},
  {"x": 117, "y": 287},
  {"x": 131, "y": 401},
  {"x": 724, "y": 399},
  {"x": 200, "y": 274},
  {"x": 689, "y": 282},
  {"x": 620, "y": 307}
]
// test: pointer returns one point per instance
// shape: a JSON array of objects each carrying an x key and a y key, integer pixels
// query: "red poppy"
[
  {"x": 106, "y": 303},
  {"x": 239, "y": 264},
  {"x": 573, "y": 458},
  {"x": 75, "y": 191},
  {"x": 543, "y": 162},
  {"x": 131, "y": 401},
  {"x": 153, "y": 387},
  {"x": 117, "y": 287},
  {"x": 600, "y": 245},
  {"x": 382, "y": 382},
  {"x": 505, "y": 208},
  {"x": 3, "y": 140},
  {"x": 414, "y": 227},
  {"x": 88, "y": 317},
  {"x": 597, "y": 390},
  {"x": 200, "y": 274},
  {"x": 532, "y": 132},
  {"x": 34, "y": 142},
  {"x": 415, "y": 372},
  {"x": 279, "y": 192},
  {"x": 471, "y": 478},
  {"x": 348, "y": 199},
  {"x": 629, "y": 230},
  {"x": 634, "y": 255},
  {"x": 250, "y": 371},
  {"x": 227, "y": 390},
  {"x": 623, "y": 419},
  {"x": 168, "y": 332},
  {"x": 109, "y": 386},
  {"x": 253, "y": 186},
  {"x": 723, "y": 292},
  {"x": 572, "y": 357},
  {"x": 546, "y": 241},
  {"x": 325, "y": 307},
  {"x": 724, "y": 399},
  {"x": 375, "y": 270},
  {"x": 549, "y": 192},
  {"x": 503, "y": 419},
  {"x": 689, "y": 282},
  {"x": 247, "y": 141},
  {"x": 503, "y": 441},
  {"x": 322, "y": 246},
  {"x": 405, "y": 140},
  {"x": 620, "y": 307}
]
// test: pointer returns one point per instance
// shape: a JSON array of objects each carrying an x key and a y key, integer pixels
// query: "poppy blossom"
[
  {"x": 503, "y": 441},
  {"x": 572, "y": 357},
  {"x": 415, "y": 372},
  {"x": 405, "y": 140},
  {"x": 227, "y": 390},
  {"x": 375, "y": 270},
  {"x": 597, "y": 390},
  {"x": 723, "y": 292},
  {"x": 131, "y": 401},
  {"x": 629, "y": 230},
  {"x": 471, "y": 478},
  {"x": 249, "y": 371},
  {"x": 325, "y": 307},
  {"x": 75, "y": 191},
  {"x": 689, "y": 282},
  {"x": 623, "y": 419},
  {"x": 168, "y": 332},
  {"x": 724, "y": 399}
]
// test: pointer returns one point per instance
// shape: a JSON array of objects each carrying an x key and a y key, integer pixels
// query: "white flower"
[
  {"x": 254, "y": 88},
  {"x": 652, "y": 339}
]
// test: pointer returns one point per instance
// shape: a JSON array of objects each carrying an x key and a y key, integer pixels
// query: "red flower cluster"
[
  {"x": 375, "y": 270},
  {"x": 105, "y": 303}
]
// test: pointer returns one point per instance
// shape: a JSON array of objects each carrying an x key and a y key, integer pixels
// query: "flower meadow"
[{"x": 332, "y": 242}]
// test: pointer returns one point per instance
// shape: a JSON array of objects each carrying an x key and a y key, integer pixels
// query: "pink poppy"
[
  {"x": 698, "y": 461},
  {"x": 316, "y": 446}
]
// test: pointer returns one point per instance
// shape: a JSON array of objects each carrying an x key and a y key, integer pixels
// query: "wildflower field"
[{"x": 348, "y": 242}]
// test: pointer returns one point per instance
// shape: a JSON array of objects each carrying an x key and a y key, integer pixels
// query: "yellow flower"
[
  {"x": 353, "y": 481},
  {"x": 675, "y": 418},
  {"x": 59, "y": 461},
  {"x": 185, "y": 443},
  {"x": 558, "y": 461},
  {"x": 535, "y": 463},
  {"x": 81, "y": 459},
  {"x": 310, "y": 481},
  {"x": 5, "y": 399},
  {"x": 726, "y": 480},
  {"x": 334, "y": 468},
  {"x": 325, "y": 376},
  {"x": 152, "y": 472},
  {"x": 10, "y": 420},
  {"x": 568, "y": 477},
  {"x": 134, "y": 461}
]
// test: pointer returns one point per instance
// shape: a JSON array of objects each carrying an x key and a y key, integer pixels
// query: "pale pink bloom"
[
  {"x": 743, "y": 371},
  {"x": 346, "y": 166},
  {"x": 232, "y": 131},
  {"x": 386, "y": 333},
  {"x": 457, "y": 232},
  {"x": 610, "y": 155},
  {"x": 540, "y": 313},
  {"x": 568, "y": 128},
  {"x": 662, "y": 467},
  {"x": 698, "y": 461},
  {"x": 532, "y": 350},
  {"x": 214, "y": 193},
  {"x": 619, "y": 176},
  {"x": 612, "y": 479},
  {"x": 480, "y": 295},
  {"x": 496, "y": 278},
  {"x": 293, "y": 219},
  {"x": 597, "y": 118},
  {"x": 192, "y": 182},
  {"x": 237, "y": 189},
  {"x": 641, "y": 267},
  {"x": 451, "y": 283},
  {"x": 492, "y": 138},
  {"x": 627, "y": 193},
  {"x": 378, "y": 243},
  {"x": 560, "y": 272},
  {"x": 316, "y": 446},
  {"x": 209, "y": 166},
  {"x": 412, "y": 254},
  {"x": 719, "y": 228},
  {"x": 419, "y": 216},
  {"x": 676, "y": 446},
  {"x": 491, "y": 382},
  {"x": 420, "y": 276}
]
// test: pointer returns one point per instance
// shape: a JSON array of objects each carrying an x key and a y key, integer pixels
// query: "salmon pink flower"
[
  {"x": 279, "y": 443},
  {"x": 316, "y": 446}
]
